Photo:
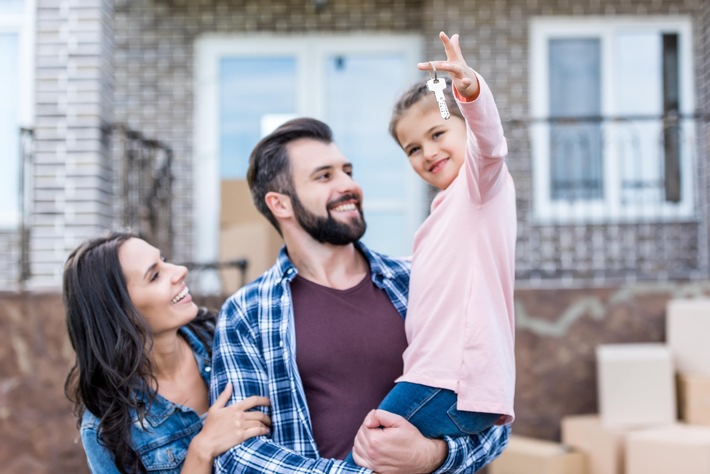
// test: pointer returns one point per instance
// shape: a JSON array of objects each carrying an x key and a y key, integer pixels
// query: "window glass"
[
  {"x": 252, "y": 89},
  {"x": 12, "y": 6},
  {"x": 9, "y": 126},
  {"x": 362, "y": 129},
  {"x": 575, "y": 82}
]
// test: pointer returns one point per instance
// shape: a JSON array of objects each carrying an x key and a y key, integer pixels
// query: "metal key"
[{"x": 437, "y": 86}]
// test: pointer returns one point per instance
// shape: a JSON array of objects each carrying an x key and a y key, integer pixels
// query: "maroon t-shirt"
[{"x": 349, "y": 346}]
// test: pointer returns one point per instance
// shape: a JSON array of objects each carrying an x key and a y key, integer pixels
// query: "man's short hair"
[{"x": 269, "y": 165}]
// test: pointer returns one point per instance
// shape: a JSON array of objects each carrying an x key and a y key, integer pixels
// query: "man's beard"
[{"x": 327, "y": 230}]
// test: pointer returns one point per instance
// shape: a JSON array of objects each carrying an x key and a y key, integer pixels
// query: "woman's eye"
[{"x": 154, "y": 276}]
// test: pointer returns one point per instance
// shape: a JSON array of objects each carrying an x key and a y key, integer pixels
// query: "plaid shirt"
[{"x": 255, "y": 349}]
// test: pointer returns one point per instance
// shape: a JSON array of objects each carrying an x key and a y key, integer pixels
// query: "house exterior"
[
  {"x": 620, "y": 196},
  {"x": 605, "y": 105}
]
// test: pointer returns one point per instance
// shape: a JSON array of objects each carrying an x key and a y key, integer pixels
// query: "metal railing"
[
  {"x": 143, "y": 183},
  {"x": 615, "y": 198},
  {"x": 24, "y": 228}
]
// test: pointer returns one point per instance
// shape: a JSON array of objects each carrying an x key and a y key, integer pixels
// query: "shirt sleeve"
[
  {"x": 486, "y": 147},
  {"x": 238, "y": 358},
  {"x": 469, "y": 454},
  {"x": 97, "y": 456}
]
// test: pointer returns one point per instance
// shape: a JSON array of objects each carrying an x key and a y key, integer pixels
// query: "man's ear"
[{"x": 279, "y": 204}]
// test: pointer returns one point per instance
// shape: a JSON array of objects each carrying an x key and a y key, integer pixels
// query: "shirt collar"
[{"x": 378, "y": 267}]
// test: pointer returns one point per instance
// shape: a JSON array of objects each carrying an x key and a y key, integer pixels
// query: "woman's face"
[{"x": 156, "y": 287}]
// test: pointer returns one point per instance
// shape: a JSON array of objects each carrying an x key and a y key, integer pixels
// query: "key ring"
[{"x": 434, "y": 68}]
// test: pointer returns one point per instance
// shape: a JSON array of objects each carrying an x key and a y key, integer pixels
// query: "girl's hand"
[
  {"x": 462, "y": 75},
  {"x": 228, "y": 426}
]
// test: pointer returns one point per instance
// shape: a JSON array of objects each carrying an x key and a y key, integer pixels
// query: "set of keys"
[{"x": 437, "y": 86}]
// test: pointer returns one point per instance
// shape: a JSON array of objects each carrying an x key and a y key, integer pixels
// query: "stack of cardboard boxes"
[{"x": 641, "y": 388}]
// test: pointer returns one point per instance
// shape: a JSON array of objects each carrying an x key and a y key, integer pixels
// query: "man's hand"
[{"x": 387, "y": 443}]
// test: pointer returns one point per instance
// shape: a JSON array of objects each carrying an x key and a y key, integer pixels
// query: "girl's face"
[
  {"x": 157, "y": 288},
  {"x": 436, "y": 147}
]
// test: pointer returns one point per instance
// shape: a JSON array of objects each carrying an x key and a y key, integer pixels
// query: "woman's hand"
[{"x": 228, "y": 426}]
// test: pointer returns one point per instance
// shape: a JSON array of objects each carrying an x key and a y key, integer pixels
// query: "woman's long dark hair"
[{"x": 112, "y": 343}]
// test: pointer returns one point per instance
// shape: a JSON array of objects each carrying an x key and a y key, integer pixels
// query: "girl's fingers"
[{"x": 451, "y": 46}]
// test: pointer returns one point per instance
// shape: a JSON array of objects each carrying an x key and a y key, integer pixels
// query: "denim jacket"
[{"x": 166, "y": 433}]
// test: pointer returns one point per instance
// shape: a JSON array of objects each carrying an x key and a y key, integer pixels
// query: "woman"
[{"x": 143, "y": 359}]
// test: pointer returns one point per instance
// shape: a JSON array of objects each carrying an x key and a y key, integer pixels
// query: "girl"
[
  {"x": 143, "y": 360},
  {"x": 459, "y": 366}
]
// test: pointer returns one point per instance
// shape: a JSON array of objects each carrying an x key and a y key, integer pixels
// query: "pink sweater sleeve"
[{"x": 486, "y": 147}]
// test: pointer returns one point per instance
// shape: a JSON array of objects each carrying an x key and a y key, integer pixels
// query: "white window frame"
[
  {"x": 310, "y": 51},
  {"x": 22, "y": 23},
  {"x": 542, "y": 29}
]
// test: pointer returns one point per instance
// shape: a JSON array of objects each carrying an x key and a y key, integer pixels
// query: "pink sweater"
[{"x": 460, "y": 323}]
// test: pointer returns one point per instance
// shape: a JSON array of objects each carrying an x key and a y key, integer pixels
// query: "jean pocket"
[{"x": 471, "y": 422}]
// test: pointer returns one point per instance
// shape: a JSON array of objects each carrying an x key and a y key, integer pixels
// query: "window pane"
[
  {"x": 360, "y": 93},
  {"x": 639, "y": 95},
  {"x": 575, "y": 92},
  {"x": 671, "y": 106},
  {"x": 383, "y": 229},
  {"x": 12, "y": 6},
  {"x": 252, "y": 91},
  {"x": 9, "y": 125}
]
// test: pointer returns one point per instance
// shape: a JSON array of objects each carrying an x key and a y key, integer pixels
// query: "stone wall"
[
  {"x": 38, "y": 434},
  {"x": 557, "y": 332}
]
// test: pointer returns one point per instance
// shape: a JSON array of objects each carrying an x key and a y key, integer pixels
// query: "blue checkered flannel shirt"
[{"x": 255, "y": 349}]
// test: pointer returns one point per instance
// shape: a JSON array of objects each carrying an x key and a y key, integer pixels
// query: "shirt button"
[{"x": 208, "y": 369}]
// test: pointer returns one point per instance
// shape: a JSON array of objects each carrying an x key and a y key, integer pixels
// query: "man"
[{"x": 321, "y": 333}]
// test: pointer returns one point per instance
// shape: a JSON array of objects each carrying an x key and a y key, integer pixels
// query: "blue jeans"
[{"x": 433, "y": 412}]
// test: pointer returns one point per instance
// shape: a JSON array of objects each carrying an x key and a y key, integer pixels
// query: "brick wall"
[
  {"x": 72, "y": 172},
  {"x": 154, "y": 83},
  {"x": 104, "y": 61}
]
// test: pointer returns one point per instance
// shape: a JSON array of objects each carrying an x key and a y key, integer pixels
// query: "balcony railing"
[
  {"x": 605, "y": 199},
  {"x": 143, "y": 182}
]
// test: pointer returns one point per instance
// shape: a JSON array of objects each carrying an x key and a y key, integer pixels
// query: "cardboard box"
[
  {"x": 635, "y": 384},
  {"x": 688, "y": 334},
  {"x": 603, "y": 446},
  {"x": 681, "y": 449},
  {"x": 244, "y": 233},
  {"x": 236, "y": 204},
  {"x": 528, "y": 455},
  {"x": 693, "y": 398},
  {"x": 257, "y": 242}
]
